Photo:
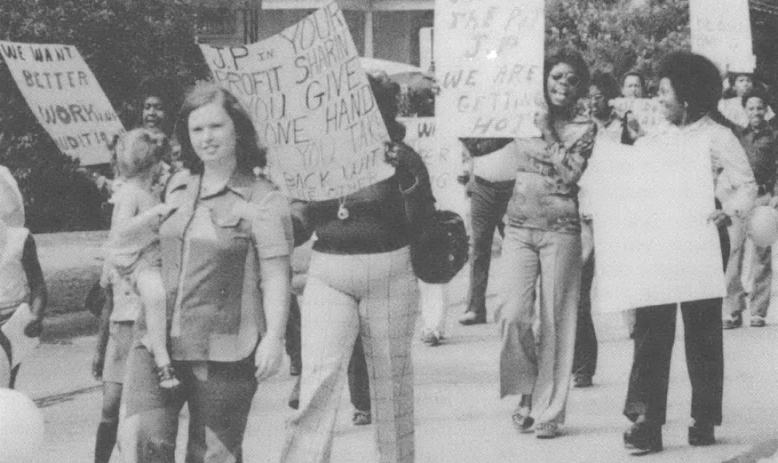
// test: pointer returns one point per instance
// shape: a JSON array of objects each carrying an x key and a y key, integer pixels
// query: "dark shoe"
[
  {"x": 701, "y": 434},
  {"x": 294, "y": 397},
  {"x": 734, "y": 321},
  {"x": 644, "y": 438},
  {"x": 361, "y": 418},
  {"x": 472, "y": 318},
  {"x": 580, "y": 380}
]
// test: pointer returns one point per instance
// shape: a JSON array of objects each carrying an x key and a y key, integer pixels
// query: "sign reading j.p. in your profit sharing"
[
  {"x": 489, "y": 66},
  {"x": 312, "y": 105},
  {"x": 65, "y": 97}
]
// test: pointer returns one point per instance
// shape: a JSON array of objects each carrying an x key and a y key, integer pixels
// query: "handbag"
[
  {"x": 439, "y": 243},
  {"x": 441, "y": 249}
]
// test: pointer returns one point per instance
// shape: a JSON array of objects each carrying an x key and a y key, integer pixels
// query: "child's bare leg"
[{"x": 152, "y": 292}]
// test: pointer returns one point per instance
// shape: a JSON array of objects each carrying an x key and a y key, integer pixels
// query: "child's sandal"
[{"x": 167, "y": 377}]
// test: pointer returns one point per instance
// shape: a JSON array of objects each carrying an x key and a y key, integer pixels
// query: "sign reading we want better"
[
  {"x": 65, "y": 97},
  {"x": 311, "y": 104},
  {"x": 489, "y": 65}
]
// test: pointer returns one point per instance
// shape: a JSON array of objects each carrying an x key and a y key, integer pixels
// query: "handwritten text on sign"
[
  {"x": 443, "y": 157},
  {"x": 66, "y": 98},
  {"x": 489, "y": 65},
  {"x": 721, "y": 31},
  {"x": 312, "y": 105},
  {"x": 647, "y": 111}
]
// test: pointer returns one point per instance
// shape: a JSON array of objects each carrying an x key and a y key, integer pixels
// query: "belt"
[{"x": 503, "y": 184}]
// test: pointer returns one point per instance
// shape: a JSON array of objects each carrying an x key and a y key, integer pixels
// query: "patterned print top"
[{"x": 546, "y": 193}]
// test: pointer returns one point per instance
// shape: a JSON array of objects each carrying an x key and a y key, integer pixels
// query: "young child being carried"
[{"x": 133, "y": 246}]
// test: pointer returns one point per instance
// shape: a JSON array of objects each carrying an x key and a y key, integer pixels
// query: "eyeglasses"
[{"x": 571, "y": 79}]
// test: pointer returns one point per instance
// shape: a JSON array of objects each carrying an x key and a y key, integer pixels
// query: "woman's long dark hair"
[{"x": 248, "y": 152}]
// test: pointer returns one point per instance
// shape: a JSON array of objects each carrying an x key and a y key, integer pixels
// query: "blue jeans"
[
  {"x": 488, "y": 202},
  {"x": 218, "y": 394},
  {"x": 761, "y": 272}
]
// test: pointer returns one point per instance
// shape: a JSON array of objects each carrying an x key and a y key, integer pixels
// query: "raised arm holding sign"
[
  {"x": 311, "y": 104},
  {"x": 65, "y": 97}
]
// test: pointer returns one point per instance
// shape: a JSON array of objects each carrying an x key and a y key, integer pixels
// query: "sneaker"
[
  {"x": 430, "y": 338},
  {"x": 757, "y": 321},
  {"x": 361, "y": 418},
  {"x": 734, "y": 321},
  {"x": 546, "y": 430}
]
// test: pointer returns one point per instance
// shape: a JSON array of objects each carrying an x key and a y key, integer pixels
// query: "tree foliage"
[
  {"x": 620, "y": 35},
  {"x": 125, "y": 43}
]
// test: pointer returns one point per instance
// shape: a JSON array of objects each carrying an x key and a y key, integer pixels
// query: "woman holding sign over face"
[
  {"x": 543, "y": 240},
  {"x": 361, "y": 282},
  {"x": 688, "y": 92}
]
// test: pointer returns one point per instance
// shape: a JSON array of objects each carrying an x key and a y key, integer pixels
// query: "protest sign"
[
  {"x": 652, "y": 239},
  {"x": 443, "y": 157},
  {"x": 65, "y": 97},
  {"x": 721, "y": 31},
  {"x": 311, "y": 104},
  {"x": 489, "y": 66},
  {"x": 647, "y": 111}
]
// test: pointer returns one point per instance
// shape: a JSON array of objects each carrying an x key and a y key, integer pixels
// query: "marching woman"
[
  {"x": 689, "y": 90},
  {"x": 543, "y": 240},
  {"x": 226, "y": 242},
  {"x": 361, "y": 283}
]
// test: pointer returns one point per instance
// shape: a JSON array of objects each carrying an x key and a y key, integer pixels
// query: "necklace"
[{"x": 342, "y": 211}]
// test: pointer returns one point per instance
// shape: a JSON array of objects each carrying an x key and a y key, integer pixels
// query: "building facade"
[{"x": 394, "y": 30}]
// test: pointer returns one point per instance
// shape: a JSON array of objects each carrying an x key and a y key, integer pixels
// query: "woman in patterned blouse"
[{"x": 543, "y": 240}]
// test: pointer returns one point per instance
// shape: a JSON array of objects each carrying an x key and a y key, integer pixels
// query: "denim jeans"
[
  {"x": 488, "y": 202},
  {"x": 218, "y": 394},
  {"x": 761, "y": 273}
]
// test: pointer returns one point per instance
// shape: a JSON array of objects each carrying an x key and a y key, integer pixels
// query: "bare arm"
[
  {"x": 276, "y": 289},
  {"x": 129, "y": 223},
  {"x": 38, "y": 294},
  {"x": 103, "y": 335}
]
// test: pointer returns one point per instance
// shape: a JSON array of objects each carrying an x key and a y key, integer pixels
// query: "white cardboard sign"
[
  {"x": 311, "y": 104},
  {"x": 651, "y": 236},
  {"x": 65, "y": 97},
  {"x": 489, "y": 65}
]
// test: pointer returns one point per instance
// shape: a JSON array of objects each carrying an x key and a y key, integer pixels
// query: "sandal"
[
  {"x": 167, "y": 377},
  {"x": 522, "y": 421}
]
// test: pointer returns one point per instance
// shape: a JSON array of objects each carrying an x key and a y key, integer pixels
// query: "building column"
[{"x": 368, "y": 34}]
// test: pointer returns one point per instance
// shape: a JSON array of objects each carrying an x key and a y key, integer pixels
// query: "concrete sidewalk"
[{"x": 459, "y": 417}]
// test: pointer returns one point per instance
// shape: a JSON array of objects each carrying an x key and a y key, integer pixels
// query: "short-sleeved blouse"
[{"x": 210, "y": 264}]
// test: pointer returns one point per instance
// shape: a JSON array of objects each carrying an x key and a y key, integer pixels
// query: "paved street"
[{"x": 458, "y": 414}]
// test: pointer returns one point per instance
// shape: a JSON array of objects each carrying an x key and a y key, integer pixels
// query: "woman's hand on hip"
[
  {"x": 268, "y": 357},
  {"x": 719, "y": 218}
]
